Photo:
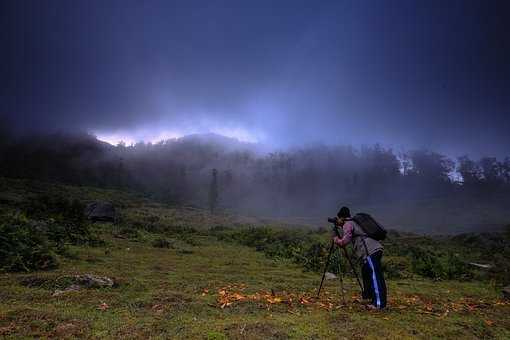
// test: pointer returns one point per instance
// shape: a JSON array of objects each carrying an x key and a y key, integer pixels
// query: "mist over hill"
[{"x": 413, "y": 190}]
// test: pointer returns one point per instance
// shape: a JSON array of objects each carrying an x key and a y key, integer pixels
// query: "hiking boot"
[{"x": 372, "y": 307}]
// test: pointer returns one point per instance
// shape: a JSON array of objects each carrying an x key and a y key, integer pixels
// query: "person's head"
[{"x": 344, "y": 213}]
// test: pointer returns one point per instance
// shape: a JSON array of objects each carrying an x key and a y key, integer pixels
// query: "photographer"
[{"x": 367, "y": 250}]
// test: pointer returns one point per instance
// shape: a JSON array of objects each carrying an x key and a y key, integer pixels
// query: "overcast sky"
[{"x": 406, "y": 74}]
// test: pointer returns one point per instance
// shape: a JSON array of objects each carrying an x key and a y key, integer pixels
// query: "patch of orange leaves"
[
  {"x": 229, "y": 295},
  {"x": 232, "y": 294}
]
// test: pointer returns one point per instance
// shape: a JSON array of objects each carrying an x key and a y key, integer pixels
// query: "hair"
[{"x": 344, "y": 212}]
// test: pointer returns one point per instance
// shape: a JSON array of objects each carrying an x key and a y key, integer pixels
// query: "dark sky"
[{"x": 404, "y": 73}]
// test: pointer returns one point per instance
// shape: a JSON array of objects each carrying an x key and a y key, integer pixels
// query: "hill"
[{"x": 180, "y": 272}]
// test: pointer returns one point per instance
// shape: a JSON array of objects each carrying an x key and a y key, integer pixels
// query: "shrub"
[
  {"x": 300, "y": 246},
  {"x": 62, "y": 232},
  {"x": 161, "y": 243},
  {"x": 501, "y": 270},
  {"x": 426, "y": 263},
  {"x": 57, "y": 207},
  {"x": 24, "y": 246},
  {"x": 454, "y": 268},
  {"x": 65, "y": 221},
  {"x": 446, "y": 266},
  {"x": 396, "y": 267},
  {"x": 128, "y": 232}
]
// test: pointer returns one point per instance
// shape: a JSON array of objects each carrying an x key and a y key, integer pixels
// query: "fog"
[{"x": 417, "y": 190}]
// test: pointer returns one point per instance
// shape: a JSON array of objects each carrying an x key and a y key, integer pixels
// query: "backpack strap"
[{"x": 362, "y": 236}]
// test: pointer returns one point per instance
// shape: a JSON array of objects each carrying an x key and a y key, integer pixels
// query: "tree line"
[{"x": 302, "y": 181}]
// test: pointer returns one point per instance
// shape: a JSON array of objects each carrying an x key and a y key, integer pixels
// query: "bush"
[
  {"x": 24, "y": 246},
  {"x": 65, "y": 221},
  {"x": 446, "y": 266},
  {"x": 64, "y": 232},
  {"x": 426, "y": 263},
  {"x": 161, "y": 243},
  {"x": 57, "y": 207},
  {"x": 501, "y": 270},
  {"x": 297, "y": 245},
  {"x": 455, "y": 269},
  {"x": 128, "y": 232},
  {"x": 309, "y": 250},
  {"x": 396, "y": 267}
]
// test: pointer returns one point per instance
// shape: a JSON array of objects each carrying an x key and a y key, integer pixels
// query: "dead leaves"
[
  {"x": 442, "y": 309},
  {"x": 4, "y": 331},
  {"x": 231, "y": 294}
]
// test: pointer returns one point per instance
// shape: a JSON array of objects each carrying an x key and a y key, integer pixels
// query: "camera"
[{"x": 332, "y": 219}]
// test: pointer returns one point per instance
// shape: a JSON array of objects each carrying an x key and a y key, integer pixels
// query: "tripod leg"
[
  {"x": 326, "y": 266},
  {"x": 353, "y": 269},
  {"x": 341, "y": 276}
]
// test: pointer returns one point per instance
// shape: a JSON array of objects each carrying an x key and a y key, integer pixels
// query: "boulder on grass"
[
  {"x": 93, "y": 281},
  {"x": 330, "y": 276},
  {"x": 85, "y": 281},
  {"x": 100, "y": 211}
]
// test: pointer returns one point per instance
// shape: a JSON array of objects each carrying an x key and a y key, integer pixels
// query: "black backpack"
[{"x": 370, "y": 226}]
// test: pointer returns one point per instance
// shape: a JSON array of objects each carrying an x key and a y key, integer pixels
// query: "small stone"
[{"x": 330, "y": 276}]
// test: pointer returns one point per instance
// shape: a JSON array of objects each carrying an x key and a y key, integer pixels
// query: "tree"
[
  {"x": 431, "y": 166},
  {"x": 492, "y": 171},
  {"x": 469, "y": 170}
]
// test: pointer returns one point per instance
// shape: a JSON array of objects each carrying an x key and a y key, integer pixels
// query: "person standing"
[{"x": 369, "y": 252}]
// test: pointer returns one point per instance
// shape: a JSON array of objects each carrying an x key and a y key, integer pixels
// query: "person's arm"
[{"x": 347, "y": 237}]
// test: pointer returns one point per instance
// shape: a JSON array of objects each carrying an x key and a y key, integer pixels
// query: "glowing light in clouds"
[
  {"x": 114, "y": 138},
  {"x": 133, "y": 137},
  {"x": 237, "y": 133}
]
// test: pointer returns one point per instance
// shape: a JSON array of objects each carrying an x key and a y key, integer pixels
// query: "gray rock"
[
  {"x": 100, "y": 211},
  {"x": 330, "y": 276},
  {"x": 71, "y": 288},
  {"x": 93, "y": 281}
]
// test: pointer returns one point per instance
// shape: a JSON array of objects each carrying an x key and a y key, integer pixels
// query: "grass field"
[{"x": 204, "y": 288}]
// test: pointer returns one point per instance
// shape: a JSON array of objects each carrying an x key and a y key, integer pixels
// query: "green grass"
[
  {"x": 161, "y": 294},
  {"x": 176, "y": 292}
]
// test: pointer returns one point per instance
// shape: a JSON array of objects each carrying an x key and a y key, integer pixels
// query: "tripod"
[{"x": 331, "y": 249}]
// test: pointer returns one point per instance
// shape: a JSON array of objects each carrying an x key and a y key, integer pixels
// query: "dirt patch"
[
  {"x": 70, "y": 329},
  {"x": 139, "y": 331},
  {"x": 168, "y": 301},
  {"x": 173, "y": 299},
  {"x": 259, "y": 330},
  {"x": 28, "y": 322},
  {"x": 39, "y": 281},
  {"x": 27, "y": 314},
  {"x": 37, "y": 323},
  {"x": 343, "y": 325}
]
